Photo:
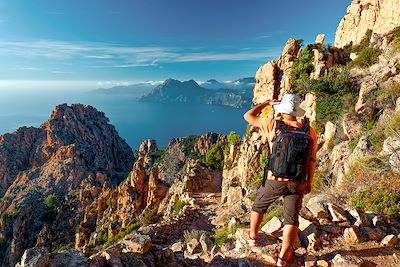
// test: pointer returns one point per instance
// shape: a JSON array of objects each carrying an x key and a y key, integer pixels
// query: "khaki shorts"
[{"x": 292, "y": 193}]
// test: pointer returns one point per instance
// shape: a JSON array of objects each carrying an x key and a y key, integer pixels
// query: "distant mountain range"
[
  {"x": 234, "y": 94},
  {"x": 237, "y": 93}
]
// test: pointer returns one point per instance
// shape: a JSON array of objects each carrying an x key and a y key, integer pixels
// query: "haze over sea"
[{"x": 135, "y": 121}]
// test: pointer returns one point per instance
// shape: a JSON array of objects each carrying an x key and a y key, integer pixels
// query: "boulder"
[
  {"x": 346, "y": 261},
  {"x": 390, "y": 240},
  {"x": 35, "y": 257},
  {"x": 352, "y": 235},
  {"x": 272, "y": 226},
  {"x": 337, "y": 213},
  {"x": 136, "y": 243},
  {"x": 358, "y": 218}
]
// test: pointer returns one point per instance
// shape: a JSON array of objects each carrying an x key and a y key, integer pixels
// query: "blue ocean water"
[{"x": 135, "y": 121}]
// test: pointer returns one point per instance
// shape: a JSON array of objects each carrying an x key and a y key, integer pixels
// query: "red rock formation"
[{"x": 76, "y": 146}]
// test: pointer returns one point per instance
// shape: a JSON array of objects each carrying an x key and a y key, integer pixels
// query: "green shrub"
[
  {"x": 396, "y": 39},
  {"x": 379, "y": 200},
  {"x": 215, "y": 156},
  {"x": 303, "y": 66},
  {"x": 150, "y": 215},
  {"x": 328, "y": 108},
  {"x": 263, "y": 160},
  {"x": 393, "y": 127},
  {"x": 61, "y": 247},
  {"x": 178, "y": 206},
  {"x": 192, "y": 234},
  {"x": 158, "y": 156},
  {"x": 233, "y": 138},
  {"x": 221, "y": 234},
  {"x": 364, "y": 43},
  {"x": 277, "y": 212},
  {"x": 321, "y": 181},
  {"x": 366, "y": 57},
  {"x": 122, "y": 233},
  {"x": 102, "y": 235},
  {"x": 337, "y": 81},
  {"x": 53, "y": 202}
]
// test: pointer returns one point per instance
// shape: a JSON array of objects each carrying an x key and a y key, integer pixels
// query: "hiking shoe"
[{"x": 245, "y": 235}]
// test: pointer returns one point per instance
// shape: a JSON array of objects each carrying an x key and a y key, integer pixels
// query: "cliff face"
[
  {"x": 380, "y": 16},
  {"x": 41, "y": 166}
]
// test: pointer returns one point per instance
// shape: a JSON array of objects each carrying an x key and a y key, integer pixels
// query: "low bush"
[
  {"x": 328, "y": 108},
  {"x": 366, "y": 55},
  {"x": 396, "y": 39},
  {"x": 178, "y": 206},
  {"x": 321, "y": 182},
  {"x": 393, "y": 127},
  {"x": 215, "y": 156},
  {"x": 263, "y": 160},
  {"x": 233, "y": 138},
  {"x": 150, "y": 216},
  {"x": 303, "y": 66},
  {"x": 221, "y": 235},
  {"x": 379, "y": 200},
  {"x": 122, "y": 233}
]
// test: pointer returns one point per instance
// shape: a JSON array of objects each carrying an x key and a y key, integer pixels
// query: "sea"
[{"x": 135, "y": 121}]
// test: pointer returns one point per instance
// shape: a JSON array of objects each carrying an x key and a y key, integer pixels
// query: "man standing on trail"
[{"x": 290, "y": 169}]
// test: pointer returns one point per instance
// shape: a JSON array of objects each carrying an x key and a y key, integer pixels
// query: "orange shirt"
[{"x": 268, "y": 127}]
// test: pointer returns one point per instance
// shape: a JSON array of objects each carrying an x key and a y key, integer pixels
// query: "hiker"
[{"x": 291, "y": 186}]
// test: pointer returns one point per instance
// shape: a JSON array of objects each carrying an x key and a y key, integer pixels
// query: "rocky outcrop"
[
  {"x": 362, "y": 15},
  {"x": 206, "y": 141},
  {"x": 273, "y": 78},
  {"x": 41, "y": 166}
]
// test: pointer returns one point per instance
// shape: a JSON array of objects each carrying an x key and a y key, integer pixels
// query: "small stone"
[
  {"x": 193, "y": 246},
  {"x": 191, "y": 256},
  {"x": 337, "y": 213},
  {"x": 322, "y": 263},
  {"x": 300, "y": 251},
  {"x": 309, "y": 261},
  {"x": 318, "y": 210},
  {"x": 177, "y": 247},
  {"x": 137, "y": 243},
  {"x": 347, "y": 261},
  {"x": 358, "y": 218},
  {"x": 272, "y": 226},
  {"x": 313, "y": 242},
  {"x": 352, "y": 235},
  {"x": 390, "y": 240},
  {"x": 268, "y": 258},
  {"x": 206, "y": 243}
]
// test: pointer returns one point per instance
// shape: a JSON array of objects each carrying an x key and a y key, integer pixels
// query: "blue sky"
[{"x": 132, "y": 40}]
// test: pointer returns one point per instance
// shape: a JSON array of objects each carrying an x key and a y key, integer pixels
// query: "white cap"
[{"x": 290, "y": 104}]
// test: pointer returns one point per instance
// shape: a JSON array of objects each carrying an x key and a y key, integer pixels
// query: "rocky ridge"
[
  {"x": 75, "y": 146},
  {"x": 362, "y": 15}
]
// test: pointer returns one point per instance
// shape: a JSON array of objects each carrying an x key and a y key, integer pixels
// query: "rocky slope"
[
  {"x": 380, "y": 16},
  {"x": 202, "y": 209},
  {"x": 42, "y": 166}
]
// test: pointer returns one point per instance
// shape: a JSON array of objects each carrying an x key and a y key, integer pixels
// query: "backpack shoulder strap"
[
  {"x": 281, "y": 126},
  {"x": 306, "y": 126}
]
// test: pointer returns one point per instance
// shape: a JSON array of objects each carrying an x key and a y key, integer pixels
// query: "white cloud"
[{"x": 121, "y": 56}]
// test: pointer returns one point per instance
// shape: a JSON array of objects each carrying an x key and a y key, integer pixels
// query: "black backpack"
[{"x": 291, "y": 151}]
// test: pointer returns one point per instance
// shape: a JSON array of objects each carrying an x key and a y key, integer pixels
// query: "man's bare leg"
[
  {"x": 255, "y": 221},
  {"x": 289, "y": 237}
]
